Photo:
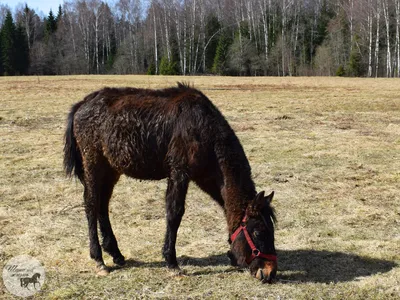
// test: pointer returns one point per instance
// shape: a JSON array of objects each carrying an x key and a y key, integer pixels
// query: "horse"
[
  {"x": 25, "y": 281},
  {"x": 175, "y": 133}
]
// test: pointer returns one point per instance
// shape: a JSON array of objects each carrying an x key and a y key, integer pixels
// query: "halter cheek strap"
[{"x": 254, "y": 251}]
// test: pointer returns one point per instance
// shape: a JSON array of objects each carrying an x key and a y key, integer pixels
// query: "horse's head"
[{"x": 252, "y": 243}]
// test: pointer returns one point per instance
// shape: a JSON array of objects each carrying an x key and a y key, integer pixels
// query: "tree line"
[{"x": 187, "y": 37}]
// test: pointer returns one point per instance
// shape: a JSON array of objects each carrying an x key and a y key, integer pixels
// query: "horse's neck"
[
  {"x": 238, "y": 190},
  {"x": 238, "y": 187}
]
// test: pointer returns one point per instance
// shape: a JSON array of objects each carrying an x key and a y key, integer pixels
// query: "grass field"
[{"x": 328, "y": 147}]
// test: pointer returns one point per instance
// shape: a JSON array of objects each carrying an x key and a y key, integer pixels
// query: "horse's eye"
[{"x": 256, "y": 233}]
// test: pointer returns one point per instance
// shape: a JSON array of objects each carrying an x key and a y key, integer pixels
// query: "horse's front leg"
[{"x": 175, "y": 206}]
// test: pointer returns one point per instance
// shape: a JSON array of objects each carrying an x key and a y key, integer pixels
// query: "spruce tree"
[
  {"x": 168, "y": 67},
  {"x": 51, "y": 25},
  {"x": 21, "y": 51},
  {"x": 212, "y": 28},
  {"x": 355, "y": 67},
  {"x": 59, "y": 15},
  {"x": 221, "y": 55},
  {"x": 7, "y": 40}
]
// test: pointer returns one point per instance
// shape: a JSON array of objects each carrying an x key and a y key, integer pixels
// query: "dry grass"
[{"x": 329, "y": 147}]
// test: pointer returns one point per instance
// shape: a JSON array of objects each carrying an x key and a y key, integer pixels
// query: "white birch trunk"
[
  {"x": 283, "y": 32},
  {"x": 388, "y": 51},
  {"x": 369, "y": 21},
  {"x": 184, "y": 44},
  {"x": 296, "y": 38},
  {"x": 166, "y": 30},
  {"x": 397, "y": 5},
  {"x": 96, "y": 46},
  {"x": 72, "y": 34},
  {"x": 264, "y": 18},
  {"x": 84, "y": 28},
  {"x": 155, "y": 41},
  {"x": 192, "y": 39},
  {"x": 351, "y": 25},
  {"x": 95, "y": 7},
  {"x": 201, "y": 33},
  {"x": 376, "y": 54},
  {"x": 179, "y": 41},
  {"x": 103, "y": 43}
]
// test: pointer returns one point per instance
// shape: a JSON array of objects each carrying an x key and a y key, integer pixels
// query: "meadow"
[{"x": 328, "y": 147}]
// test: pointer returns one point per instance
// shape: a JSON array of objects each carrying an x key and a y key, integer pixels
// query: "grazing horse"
[
  {"x": 25, "y": 281},
  {"x": 174, "y": 133}
]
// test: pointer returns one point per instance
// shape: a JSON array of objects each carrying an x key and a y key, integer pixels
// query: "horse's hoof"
[
  {"x": 119, "y": 261},
  {"x": 102, "y": 270}
]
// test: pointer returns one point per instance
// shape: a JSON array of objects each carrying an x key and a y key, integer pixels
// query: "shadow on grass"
[
  {"x": 294, "y": 265},
  {"x": 326, "y": 266}
]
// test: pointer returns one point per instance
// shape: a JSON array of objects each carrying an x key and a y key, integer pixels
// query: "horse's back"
[{"x": 142, "y": 133}]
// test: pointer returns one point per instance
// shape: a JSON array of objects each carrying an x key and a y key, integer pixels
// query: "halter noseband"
[{"x": 254, "y": 251}]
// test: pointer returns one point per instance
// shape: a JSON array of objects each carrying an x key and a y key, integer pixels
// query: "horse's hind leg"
[
  {"x": 175, "y": 206},
  {"x": 110, "y": 244},
  {"x": 91, "y": 197},
  {"x": 94, "y": 175}
]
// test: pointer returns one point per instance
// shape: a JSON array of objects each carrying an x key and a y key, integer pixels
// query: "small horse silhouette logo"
[
  {"x": 23, "y": 276},
  {"x": 25, "y": 281}
]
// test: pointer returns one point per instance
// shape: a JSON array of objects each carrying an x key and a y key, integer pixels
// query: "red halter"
[{"x": 254, "y": 251}]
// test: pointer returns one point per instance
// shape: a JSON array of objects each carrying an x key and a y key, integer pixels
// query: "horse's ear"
[
  {"x": 268, "y": 199},
  {"x": 258, "y": 203},
  {"x": 259, "y": 198}
]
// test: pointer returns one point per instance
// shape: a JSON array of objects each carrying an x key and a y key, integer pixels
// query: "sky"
[{"x": 38, "y": 5}]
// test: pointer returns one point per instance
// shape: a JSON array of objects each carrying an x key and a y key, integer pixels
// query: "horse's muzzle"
[
  {"x": 267, "y": 273},
  {"x": 265, "y": 278}
]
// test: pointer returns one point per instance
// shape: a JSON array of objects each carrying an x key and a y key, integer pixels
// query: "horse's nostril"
[
  {"x": 260, "y": 274},
  {"x": 270, "y": 278}
]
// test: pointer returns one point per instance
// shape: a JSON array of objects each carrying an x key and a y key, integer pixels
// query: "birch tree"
[
  {"x": 369, "y": 24},
  {"x": 84, "y": 24},
  {"x": 376, "y": 52},
  {"x": 397, "y": 8},
  {"x": 386, "y": 15},
  {"x": 129, "y": 11},
  {"x": 95, "y": 7}
]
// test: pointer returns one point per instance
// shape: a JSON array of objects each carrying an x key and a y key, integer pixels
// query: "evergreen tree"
[
  {"x": 7, "y": 41},
  {"x": 51, "y": 45},
  {"x": 113, "y": 53},
  {"x": 355, "y": 67},
  {"x": 168, "y": 67},
  {"x": 21, "y": 51},
  {"x": 212, "y": 29},
  {"x": 51, "y": 25},
  {"x": 59, "y": 15},
  {"x": 221, "y": 54},
  {"x": 151, "y": 69}
]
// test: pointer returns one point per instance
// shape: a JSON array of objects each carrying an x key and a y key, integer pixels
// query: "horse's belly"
[
  {"x": 145, "y": 174},
  {"x": 145, "y": 163}
]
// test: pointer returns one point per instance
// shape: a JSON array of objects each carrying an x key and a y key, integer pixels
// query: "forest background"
[{"x": 357, "y": 38}]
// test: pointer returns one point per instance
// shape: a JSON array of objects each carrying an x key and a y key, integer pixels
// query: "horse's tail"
[{"x": 72, "y": 154}]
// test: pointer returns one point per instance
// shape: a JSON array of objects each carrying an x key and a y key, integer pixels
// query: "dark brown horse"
[{"x": 174, "y": 133}]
